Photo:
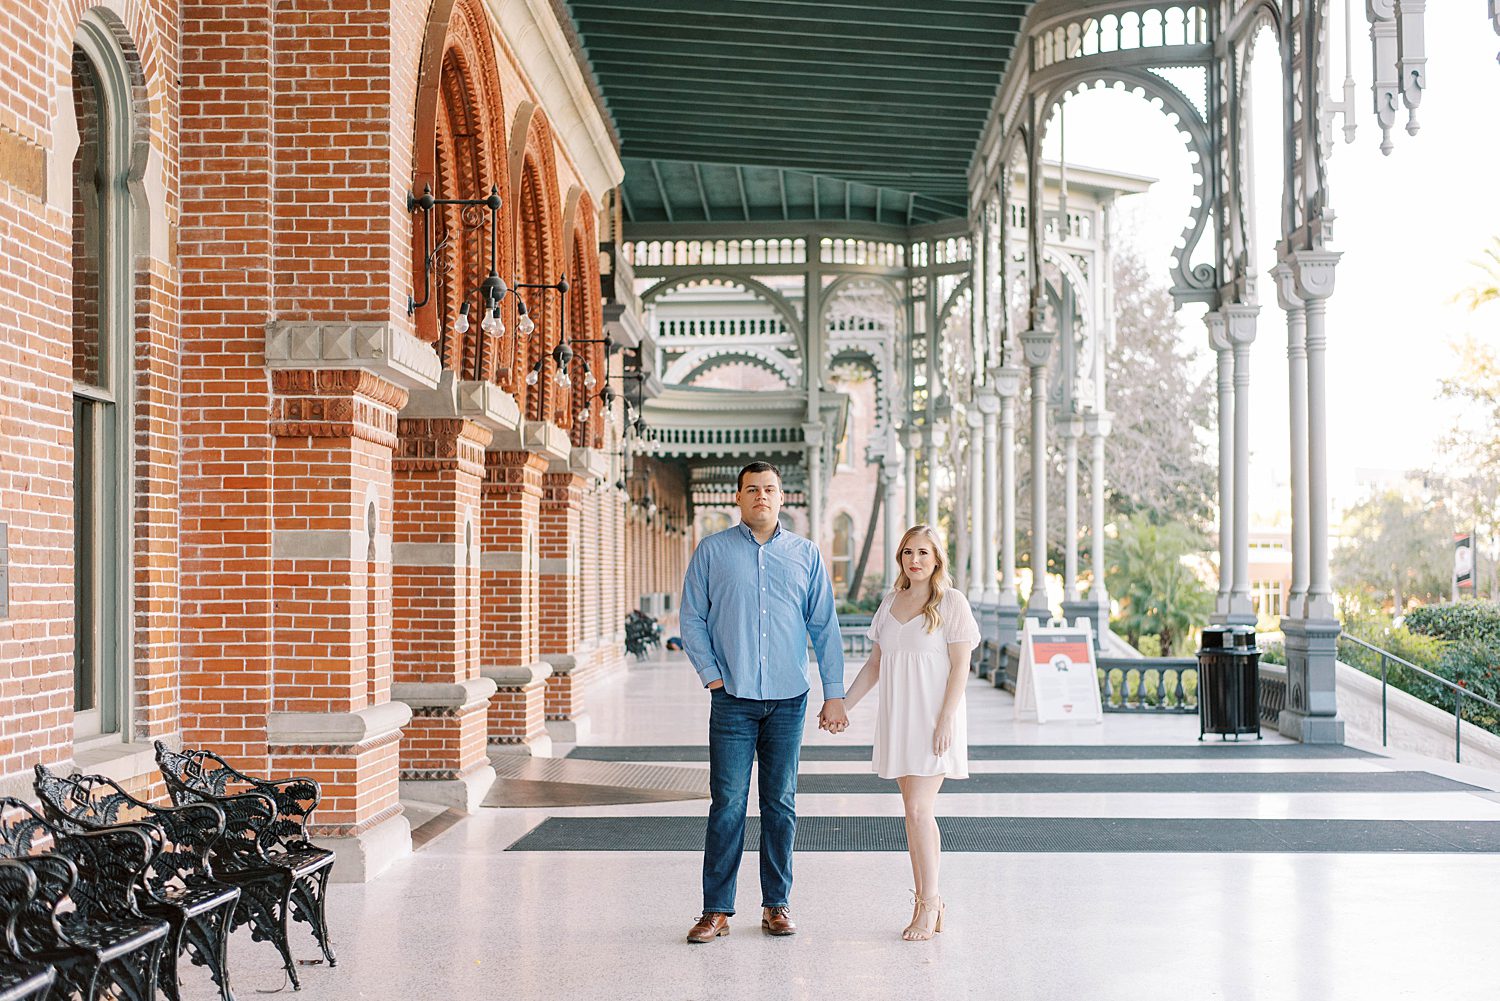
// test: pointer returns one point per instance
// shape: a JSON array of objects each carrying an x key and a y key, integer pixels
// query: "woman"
[{"x": 923, "y": 633}]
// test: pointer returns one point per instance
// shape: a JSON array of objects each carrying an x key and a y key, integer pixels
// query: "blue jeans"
[{"x": 739, "y": 731}]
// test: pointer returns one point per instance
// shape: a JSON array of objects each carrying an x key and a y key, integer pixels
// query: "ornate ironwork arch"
[
  {"x": 1189, "y": 283},
  {"x": 774, "y": 299}
]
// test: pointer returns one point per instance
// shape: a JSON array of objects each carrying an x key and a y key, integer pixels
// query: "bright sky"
[{"x": 1408, "y": 224}]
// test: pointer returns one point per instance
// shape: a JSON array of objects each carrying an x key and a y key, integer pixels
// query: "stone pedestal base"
[
  {"x": 573, "y": 730},
  {"x": 517, "y": 714},
  {"x": 567, "y": 721},
  {"x": 1311, "y": 713},
  {"x": 366, "y": 854},
  {"x": 443, "y": 749},
  {"x": 463, "y": 792}
]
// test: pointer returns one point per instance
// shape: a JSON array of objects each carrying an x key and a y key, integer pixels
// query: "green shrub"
[
  {"x": 1149, "y": 646},
  {"x": 1272, "y": 652},
  {"x": 1458, "y": 643},
  {"x": 1470, "y": 621}
]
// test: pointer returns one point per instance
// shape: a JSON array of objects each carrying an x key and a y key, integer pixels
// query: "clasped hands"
[{"x": 832, "y": 716}]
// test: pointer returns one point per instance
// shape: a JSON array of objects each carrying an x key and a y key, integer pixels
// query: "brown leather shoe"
[
  {"x": 777, "y": 921},
  {"x": 709, "y": 927}
]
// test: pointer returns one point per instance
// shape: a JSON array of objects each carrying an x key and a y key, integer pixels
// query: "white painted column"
[
  {"x": 929, "y": 459},
  {"x": 813, "y": 436},
  {"x": 1037, "y": 345},
  {"x": 1071, "y": 429},
  {"x": 1239, "y": 322},
  {"x": 893, "y": 526},
  {"x": 1219, "y": 342},
  {"x": 1296, "y": 356},
  {"x": 1315, "y": 272},
  {"x": 913, "y": 439},
  {"x": 1097, "y": 426},
  {"x": 976, "y": 507},
  {"x": 989, "y": 407},
  {"x": 1008, "y": 383}
]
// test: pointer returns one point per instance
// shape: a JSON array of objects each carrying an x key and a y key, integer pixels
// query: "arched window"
[
  {"x": 103, "y": 351},
  {"x": 843, "y": 552}
]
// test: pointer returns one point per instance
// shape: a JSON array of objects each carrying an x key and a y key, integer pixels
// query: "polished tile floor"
[{"x": 463, "y": 918}]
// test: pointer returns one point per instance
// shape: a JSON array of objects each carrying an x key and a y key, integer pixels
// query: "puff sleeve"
[{"x": 959, "y": 625}]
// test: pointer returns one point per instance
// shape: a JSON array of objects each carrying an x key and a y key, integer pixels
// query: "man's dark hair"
[{"x": 756, "y": 467}]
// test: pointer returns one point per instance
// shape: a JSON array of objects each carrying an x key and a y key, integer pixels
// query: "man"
[{"x": 753, "y": 594}]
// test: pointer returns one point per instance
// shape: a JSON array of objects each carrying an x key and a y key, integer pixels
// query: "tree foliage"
[
  {"x": 1157, "y": 460},
  {"x": 1158, "y": 593},
  {"x": 1396, "y": 549}
]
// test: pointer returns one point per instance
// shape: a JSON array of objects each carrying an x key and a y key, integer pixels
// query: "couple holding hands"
[{"x": 753, "y": 595}]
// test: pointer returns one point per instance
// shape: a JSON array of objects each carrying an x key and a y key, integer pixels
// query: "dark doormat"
[
  {"x": 1034, "y": 834},
  {"x": 528, "y": 793},
  {"x": 1211, "y": 751},
  {"x": 1034, "y": 783}
]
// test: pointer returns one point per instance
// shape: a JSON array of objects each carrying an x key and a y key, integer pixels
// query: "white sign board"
[{"x": 1058, "y": 677}]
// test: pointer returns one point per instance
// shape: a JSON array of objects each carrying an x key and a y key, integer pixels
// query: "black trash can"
[{"x": 1229, "y": 682}]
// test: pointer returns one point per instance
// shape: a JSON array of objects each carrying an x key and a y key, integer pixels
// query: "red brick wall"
[{"x": 281, "y": 152}]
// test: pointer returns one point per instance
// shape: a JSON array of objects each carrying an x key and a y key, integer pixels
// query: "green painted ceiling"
[{"x": 736, "y": 110}]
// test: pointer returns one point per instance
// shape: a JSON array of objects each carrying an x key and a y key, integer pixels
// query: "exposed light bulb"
[
  {"x": 461, "y": 325},
  {"x": 585, "y": 414},
  {"x": 531, "y": 378},
  {"x": 563, "y": 380},
  {"x": 589, "y": 382},
  {"x": 525, "y": 325},
  {"x": 489, "y": 322}
]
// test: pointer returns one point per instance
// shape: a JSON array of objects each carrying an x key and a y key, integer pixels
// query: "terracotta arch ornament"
[
  {"x": 537, "y": 219},
  {"x": 459, "y": 151},
  {"x": 586, "y": 327}
]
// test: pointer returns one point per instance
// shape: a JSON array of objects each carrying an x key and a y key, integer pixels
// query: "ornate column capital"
[
  {"x": 1313, "y": 270},
  {"x": 1218, "y": 331},
  {"x": 1286, "y": 287},
  {"x": 974, "y": 419},
  {"x": 1036, "y": 345},
  {"x": 1007, "y": 381},
  {"x": 1098, "y": 425},
  {"x": 1070, "y": 428},
  {"x": 1239, "y": 323},
  {"x": 987, "y": 402}
]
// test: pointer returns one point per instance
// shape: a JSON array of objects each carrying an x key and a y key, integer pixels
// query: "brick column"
[
  {"x": 510, "y": 511},
  {"x": 435, "y": 557},
  {"x": 334, "y": 432},
  {"x": 560, "y": 549}
]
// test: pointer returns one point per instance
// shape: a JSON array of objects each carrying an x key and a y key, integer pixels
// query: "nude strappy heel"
[{"x": 914, "y": 932}]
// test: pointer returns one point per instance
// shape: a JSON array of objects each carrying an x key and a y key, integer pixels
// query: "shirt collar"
[{"x": 745, "y": 531}]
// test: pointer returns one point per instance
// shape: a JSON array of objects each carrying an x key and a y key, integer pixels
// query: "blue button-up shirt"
[{"x": 748, "y": 608}]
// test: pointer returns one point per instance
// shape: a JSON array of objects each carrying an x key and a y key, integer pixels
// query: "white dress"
[{"x": 914, "y": 668}]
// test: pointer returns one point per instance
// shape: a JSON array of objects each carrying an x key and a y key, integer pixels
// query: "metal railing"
[{"x": 1460, "y": 693}]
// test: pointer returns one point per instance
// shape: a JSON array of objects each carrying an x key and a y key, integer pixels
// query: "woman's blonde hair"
[{"x": 940, "y": 579}]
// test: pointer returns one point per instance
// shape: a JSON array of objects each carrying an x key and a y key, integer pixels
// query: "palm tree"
[{"x": 1159, "y": 594}]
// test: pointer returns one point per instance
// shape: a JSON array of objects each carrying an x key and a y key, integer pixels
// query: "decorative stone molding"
[
  {"x": 517, "y": 675},
  {"x": 1313, "y": 270},
  {"x": 1036, "y": 345},
  {"x": 540, "y": 437},
  {"x": 1098, "y": 425},
  {"x": 590, "y": 463},
  {"x": 328, "y": 544},
  {"x": 395, "y": 355},
  {"x": 1239, "y": 323},
  {"x": 422, "y": 696},
  {"x": 337, "y": 730},
  {"x": 489, "y": 406}
]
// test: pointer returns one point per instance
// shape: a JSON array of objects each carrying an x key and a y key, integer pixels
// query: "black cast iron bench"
[
  {"x": 179, "y": 886},
  {"x": 265, "y": 850}
]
